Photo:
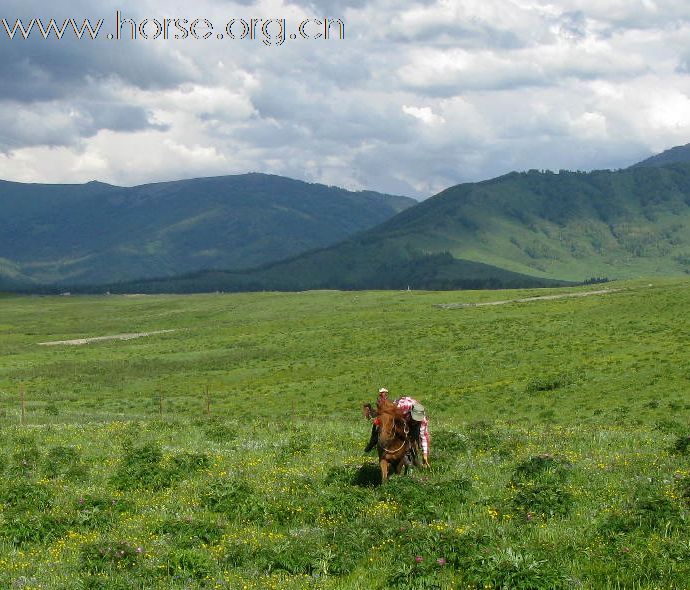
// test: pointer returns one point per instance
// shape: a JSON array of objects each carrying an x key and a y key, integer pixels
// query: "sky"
[{"x": 417, "y": 97}]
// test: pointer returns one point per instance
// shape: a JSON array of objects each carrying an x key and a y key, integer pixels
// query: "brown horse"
[{"x": 393, "y": 439}]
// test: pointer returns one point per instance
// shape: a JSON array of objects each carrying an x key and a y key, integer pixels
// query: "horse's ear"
[{"x": 366, "y": 410}]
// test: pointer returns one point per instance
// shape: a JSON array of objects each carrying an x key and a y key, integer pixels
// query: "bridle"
[{"x": 393, "y": 437}]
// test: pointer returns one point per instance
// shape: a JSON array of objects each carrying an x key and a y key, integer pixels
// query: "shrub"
[
  {"x": 295, "y": 555},
  {"x": 649, "y": 509},
  {"x": 25, "y": 459},
  {"x": 21, "y": 528},
  {"x": 538, "y": 465},
  {"x": 184, "y": 464},
  {"x": 542, "y": 383},
  {"x": 63, "y": 461},
  {"x": 653, "y": 509},
  {"x": 21, "y": 495},
  {"x": 513, "y": 569},
  {"x": 228, "y": 496},
  {"x": 449, "y": 442},
  {"x": 681, "y": 446},
  {"x": 191, "y": 532},
  {"x": 483, "y": 436},
  {"x": 669, "y": 426},
  {"x": 51, "y": 409},
  {"x": 140, "y": 467},
  {"x": 104, "y": 555},
  {"x": 539, "y": 487},
  {"x": 143, "y": 467},
  {"x": 421, "y": 574},
  {"x": 219, "y": 431},
  {"x": 99, "y": 511},
  {"x": 299, "y": 441},
  {"x": 195, "y": 563},
  {"x": 544, "y": 499}
]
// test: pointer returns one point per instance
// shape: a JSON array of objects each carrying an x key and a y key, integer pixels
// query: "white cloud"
[
  {"x": 417, "y": 97},
  {"x": 424, "y": 114}
]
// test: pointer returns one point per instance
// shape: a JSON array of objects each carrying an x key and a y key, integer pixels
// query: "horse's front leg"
[{"x": 384, "y": 470}]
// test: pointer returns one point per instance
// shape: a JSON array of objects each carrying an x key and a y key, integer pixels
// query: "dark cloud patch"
[
  {"x": 573, "y": 25},
  {"x": 60, "y": 124},
  {"x": 38, "y": 70},
  {"x": 683, "y": 64},
  {"x": 329, "y": 8},
  {"x": 471, "y": 34},
  {"x": 116, "y": 117}
]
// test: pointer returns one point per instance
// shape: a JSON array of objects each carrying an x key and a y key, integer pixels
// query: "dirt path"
[
  {"x": 527, "y": 299},
  {"x": 79, "y": 341}
]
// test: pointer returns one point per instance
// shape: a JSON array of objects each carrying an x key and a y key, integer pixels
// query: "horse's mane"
[{"x": 388, "y": 407}]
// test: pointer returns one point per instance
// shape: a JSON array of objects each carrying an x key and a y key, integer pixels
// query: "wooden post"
[
  {"x": 160, "y": 404},
  {"x": 22, "y": 399},
  {"x": 208, "y": 402}
]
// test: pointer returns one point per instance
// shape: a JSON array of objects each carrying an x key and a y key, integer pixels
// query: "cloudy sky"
[{"x": 417, "y": 97}]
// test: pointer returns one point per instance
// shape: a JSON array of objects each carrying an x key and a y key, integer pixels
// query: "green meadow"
[{"x": 228, "y": 452}]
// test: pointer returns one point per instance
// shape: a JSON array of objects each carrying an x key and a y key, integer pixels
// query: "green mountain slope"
[
  {"x": 97, "y": 233},
  {"x": 509, "y": 231},
  {"x": 570, "y": 225},
  {"x": 675, "y": 155}
]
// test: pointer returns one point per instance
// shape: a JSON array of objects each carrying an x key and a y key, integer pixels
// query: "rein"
[
  {"x": 404, "y": 442},
  {"x": 392, "y": 452}
]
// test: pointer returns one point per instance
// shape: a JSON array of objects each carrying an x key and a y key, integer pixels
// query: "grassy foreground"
[{"x": 560, "y": 441}]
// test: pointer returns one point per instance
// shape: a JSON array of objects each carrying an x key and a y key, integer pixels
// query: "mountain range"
[
  {"x": 97, "y": 233},
  {"x": 259, "y": 232}
]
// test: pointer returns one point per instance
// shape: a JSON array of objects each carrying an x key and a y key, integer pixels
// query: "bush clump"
[
  {"x": 228, "y": 496},
  {"x": 94, "y": 512},
  {"x": 143, "y": 466},
  {"x": 62, "y": 461},
  {"x": 538, "y": 487},
  {"x": 191, "y": 532},
  {"x": 681, "y": 445},
  {"x": 105, "y": 555},
  {"x": 542, "y": 383},
  {"x": 191, "y": 563}
]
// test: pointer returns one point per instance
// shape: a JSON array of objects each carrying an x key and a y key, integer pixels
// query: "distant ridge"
[
  {"x": 99, "y": 233},
  {"x": 675, "y": 155}
]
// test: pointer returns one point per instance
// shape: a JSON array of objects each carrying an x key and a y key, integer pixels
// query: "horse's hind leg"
[{"x": 402, "y": 464}]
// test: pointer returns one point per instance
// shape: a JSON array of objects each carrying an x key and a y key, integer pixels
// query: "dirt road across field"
[
  {"x": 528, "y": 299},
  {"x": 79, "y": 341}
]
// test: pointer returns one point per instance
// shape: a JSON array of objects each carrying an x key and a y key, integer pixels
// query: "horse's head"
[{"x": 391, "y": 422}]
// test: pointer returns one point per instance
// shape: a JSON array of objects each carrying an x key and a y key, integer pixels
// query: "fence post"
[
  {"x": 22, "y": 399},
  {"x": 160, "y": 404},
  {"x": 208, "y": 402}
]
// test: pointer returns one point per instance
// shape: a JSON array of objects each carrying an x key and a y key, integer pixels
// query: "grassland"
[{"x": 560, "y": 449}]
